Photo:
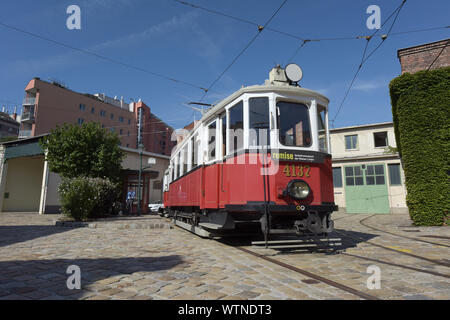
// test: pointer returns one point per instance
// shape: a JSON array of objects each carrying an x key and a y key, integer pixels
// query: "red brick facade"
[{"x": 420, "y": 57}]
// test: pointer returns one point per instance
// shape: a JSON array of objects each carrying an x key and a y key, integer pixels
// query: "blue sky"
[{"x": 196, "y": 46}]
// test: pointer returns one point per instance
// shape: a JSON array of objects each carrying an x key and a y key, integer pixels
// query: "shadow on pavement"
[
  {"x": 287, "y": 244},
  {"x": 15, "y": 234},
  {"x": 48, "y": 278}
]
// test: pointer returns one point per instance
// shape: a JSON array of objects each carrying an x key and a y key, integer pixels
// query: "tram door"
[{"x": 366, "y": 189}]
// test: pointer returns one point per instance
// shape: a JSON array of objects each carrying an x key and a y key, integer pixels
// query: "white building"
[{"x": 368, "y": 177}]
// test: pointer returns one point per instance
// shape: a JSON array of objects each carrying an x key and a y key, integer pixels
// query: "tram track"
[
  {"x": 341, "y": 286},
  {"x": 306, "y": 273},
  {"x": 311, "y": 275},
  {"x": 445, "y": 264},
  {"x": 362, "y": 222}
]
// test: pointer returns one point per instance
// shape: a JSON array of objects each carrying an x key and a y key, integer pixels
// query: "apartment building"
[
  {"x": 367, "y": 171},
  {"x": 9, "y": 126},
  {"x": 49, "y": 104}
]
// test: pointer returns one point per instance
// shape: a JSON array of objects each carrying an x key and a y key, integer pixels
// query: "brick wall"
[{"x": 420, "y": 57}]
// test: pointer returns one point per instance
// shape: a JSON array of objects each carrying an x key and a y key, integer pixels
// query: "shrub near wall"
[
  {"x": 421, "y": 113},
  {"x": 83, "y": 198}
]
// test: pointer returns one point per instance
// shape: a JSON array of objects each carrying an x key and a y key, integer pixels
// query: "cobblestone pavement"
[{"x": 139, "y": 263}]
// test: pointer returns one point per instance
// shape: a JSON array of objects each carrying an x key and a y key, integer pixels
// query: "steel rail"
[
  {"x": 329, "y": 282},
  {"x": 445, "y": 264},
  {"x": 397, "y": 235}
]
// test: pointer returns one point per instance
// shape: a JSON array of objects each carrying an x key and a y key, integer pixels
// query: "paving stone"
[
  {"x": 212, "y": 295},
  {"x": 248, "y": 294},
  {"x": 144, "y": 263}
]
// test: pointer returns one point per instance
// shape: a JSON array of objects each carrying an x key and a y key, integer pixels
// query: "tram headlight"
[{"x": 298, "y": 189}]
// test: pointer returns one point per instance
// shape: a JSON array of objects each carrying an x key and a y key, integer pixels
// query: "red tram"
[{"x": 260, "y": 158}]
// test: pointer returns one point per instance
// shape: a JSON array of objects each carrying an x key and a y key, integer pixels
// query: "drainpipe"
[{"x": 44, "y": 187}]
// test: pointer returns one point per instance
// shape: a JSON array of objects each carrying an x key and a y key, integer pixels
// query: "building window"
[
  {"x": 337, "y": 177},
  {"x": 121, "y": 131},
  {"x": 351, "y": 142},
  {"x": 354, "y": 176},
  {"x": 112, "y": 129},
  {"x": 82, "y": 107},
  {"x": 120, "y": 119},
  {"x": 375, "y": 175},
  {"x": 128, "y": 133},
  {"x": 380, "y": 139},
  {"x": 92, "y": 110},
  {"x": 394, "y": 174},
  {"x": 102, "y": 113},
  {"x": 129, "y": 121},
  {"x": 80, "y": 121},
  {"x": 112, "y": 116},
  {"x": 157, "y": 185}
]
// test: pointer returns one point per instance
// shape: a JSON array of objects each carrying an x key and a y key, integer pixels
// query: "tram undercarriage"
[{"x": 224, "y": 223}]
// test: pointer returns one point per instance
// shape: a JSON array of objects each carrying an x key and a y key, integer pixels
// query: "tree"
[{"x": 86, "y": 150}]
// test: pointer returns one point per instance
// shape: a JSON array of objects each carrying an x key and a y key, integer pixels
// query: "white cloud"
[
  {"x": 371, "y": 85},
  {"x": 155, "y": 30},
  {"x": 71, "y": 58}
]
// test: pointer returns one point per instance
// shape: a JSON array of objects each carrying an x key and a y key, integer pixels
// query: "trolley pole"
[{"x": 141, "y": 148}]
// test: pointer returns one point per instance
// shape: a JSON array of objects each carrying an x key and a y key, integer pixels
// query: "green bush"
[
  {"x": 421, "y": 113},
  {"x": 84, "y": 198}
]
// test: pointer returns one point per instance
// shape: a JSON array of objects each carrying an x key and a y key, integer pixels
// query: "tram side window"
[
  {"x": 236, "y": 127},
  {"x": 323, "y": 145},
  {"x": 195, "y": 147},
  {"x": 184, "y": 159},
  {"x": 293, "y": 124},
  {"x": 259, "y": 121},
  {"x": 223, "y": 119},
  {"x": 212, "y": 141},
  {"x": 177, "y": 171}
]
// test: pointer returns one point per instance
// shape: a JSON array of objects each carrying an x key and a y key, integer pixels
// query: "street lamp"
[{"x": 150, "y": 162}]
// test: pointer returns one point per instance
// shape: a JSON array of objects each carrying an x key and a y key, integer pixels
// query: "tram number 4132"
[{"x": 296, "y": 171}]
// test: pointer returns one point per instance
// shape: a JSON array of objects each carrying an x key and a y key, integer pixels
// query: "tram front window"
[
  {"x": 259, "y": 121},
  {"x": 293, "y": 124}
]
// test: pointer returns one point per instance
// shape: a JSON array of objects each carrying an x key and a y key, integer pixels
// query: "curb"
[{"x": 112, "y": 225}]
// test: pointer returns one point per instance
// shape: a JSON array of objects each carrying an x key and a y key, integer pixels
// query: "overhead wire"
[
  {"x": 84, "y": 51},
  {"x": 364, "y": 58},
  {"x": 260, "y": 29},
  {"x": 291, "y": 35},
  {"x": 437, "y": 57}
]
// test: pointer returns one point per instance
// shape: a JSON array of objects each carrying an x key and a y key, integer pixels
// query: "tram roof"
[
  {"x": 261, "y": 89},
  {"x": 286, "y": 89}
]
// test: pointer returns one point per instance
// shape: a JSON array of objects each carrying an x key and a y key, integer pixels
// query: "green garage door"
[{"x": 366, "y": 189}]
